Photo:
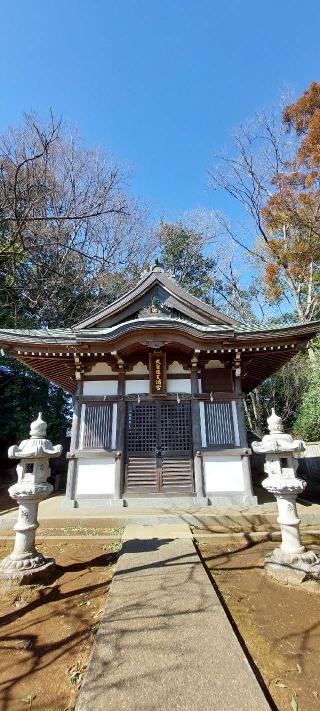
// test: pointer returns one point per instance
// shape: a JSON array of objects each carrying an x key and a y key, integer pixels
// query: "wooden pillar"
[
  {"x": 239, "y": 404},
  {"x": 196, "y": 430},
  {"x": 120, "y": 439},
  {"x": 250, "y": 499},
  {"x": 75, "y": 428}
]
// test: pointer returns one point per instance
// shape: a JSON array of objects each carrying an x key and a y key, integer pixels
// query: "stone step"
[{"x": 165, "y": 502}]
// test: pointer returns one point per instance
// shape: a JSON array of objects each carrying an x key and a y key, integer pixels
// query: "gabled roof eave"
[{"x": 173, "y": 288}]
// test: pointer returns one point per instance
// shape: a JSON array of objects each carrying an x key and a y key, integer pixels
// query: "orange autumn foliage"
[
  {"x": 304, "y": 117},
  {"x": 292, "y": 212},
  {"x": 271, "y": 279}
]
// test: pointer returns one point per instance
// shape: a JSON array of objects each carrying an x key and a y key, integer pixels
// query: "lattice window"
[
  {"x": 175, "y": 427},
  {"x": 97, "y": 431},
  {"x": 219, "y": 424},
  {"x": 141, "y": 428}
]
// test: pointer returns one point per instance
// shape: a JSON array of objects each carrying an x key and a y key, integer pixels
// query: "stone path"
[{"x": 165, "y": 641}]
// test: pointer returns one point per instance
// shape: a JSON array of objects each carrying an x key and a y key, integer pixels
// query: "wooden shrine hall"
[{"x": 158, "y": 379}]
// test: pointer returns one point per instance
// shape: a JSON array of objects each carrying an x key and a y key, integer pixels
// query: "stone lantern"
[
  {"x": 291, "y": 563},
  {"x": 25, "y": 564}
]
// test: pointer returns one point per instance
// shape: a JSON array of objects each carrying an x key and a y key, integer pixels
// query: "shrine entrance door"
[{"x": 159, "y": 448}]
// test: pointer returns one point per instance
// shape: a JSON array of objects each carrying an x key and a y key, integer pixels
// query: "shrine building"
[{"x": 158, "y": 379}]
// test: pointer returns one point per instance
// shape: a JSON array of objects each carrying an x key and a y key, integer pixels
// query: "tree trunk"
[
  {"x": 248, "y": 415},
  {"x": 257, "y": 411},
  {"x": 311, "y": 353}
]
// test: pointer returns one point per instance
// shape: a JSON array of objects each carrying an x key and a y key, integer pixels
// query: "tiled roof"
[{"x": 72, "y": 336}]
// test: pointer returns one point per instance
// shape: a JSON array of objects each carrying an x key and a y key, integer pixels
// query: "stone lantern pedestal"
[
  {"x": 291, "y": 563},
  {"x": 25, "y": 564}
]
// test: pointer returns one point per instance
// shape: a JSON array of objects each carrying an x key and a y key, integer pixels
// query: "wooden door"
[
  {"x": 159, "y": 448},
  {"x": 175, "y": 444}
]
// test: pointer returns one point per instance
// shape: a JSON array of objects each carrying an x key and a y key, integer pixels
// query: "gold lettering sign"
[{"x": 158, "y": 375}]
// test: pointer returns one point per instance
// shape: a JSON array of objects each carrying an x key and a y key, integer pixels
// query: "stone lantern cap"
[
  {"x": 38, "y": 428},
  {"x": 277, "y": 442},
  {"x": 37, "y": 447}
]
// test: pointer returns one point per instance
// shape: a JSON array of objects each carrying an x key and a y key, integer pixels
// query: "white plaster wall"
[
  {"x": 213, "y": 363},
  {"x": 203, "y": 425},
  {"x": 137, "y": 386},
  {"x": 140, "y": 368},
  {"x": 100, "y": 387},
  {"x": 83, "y": 409},
  {"x": 96, "y": 476},
  {"x": 235, "y": 423},
  {"x": 223, "y": 473},
  {"x": 101, "y": 369},
  {"x": 114, "y": 425},
  {"x": 179, "y": 385},
  {"x": 175, "y": 368}
]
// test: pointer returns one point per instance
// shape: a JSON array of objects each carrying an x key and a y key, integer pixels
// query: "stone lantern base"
[
  {"x": 293, "y": 568},
  {"x": 27, "y": 570}
]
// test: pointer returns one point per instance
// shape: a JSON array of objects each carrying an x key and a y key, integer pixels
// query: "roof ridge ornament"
[{"x": 157, "y": 267}]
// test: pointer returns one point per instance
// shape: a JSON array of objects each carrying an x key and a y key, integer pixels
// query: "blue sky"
[{"x": 160, "y": 82}]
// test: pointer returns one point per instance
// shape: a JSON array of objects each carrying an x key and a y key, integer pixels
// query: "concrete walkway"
[{"x": 165, "y": 642}]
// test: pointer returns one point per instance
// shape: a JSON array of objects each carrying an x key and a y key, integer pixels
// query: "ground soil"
[
  {"x": 279, "y": 625},
  {"x": 78, "y": 532},
  {"x": 47, "y": 631}
]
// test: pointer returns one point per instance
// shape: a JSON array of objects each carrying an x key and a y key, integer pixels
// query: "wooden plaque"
[{"x": 158, "y": 373}]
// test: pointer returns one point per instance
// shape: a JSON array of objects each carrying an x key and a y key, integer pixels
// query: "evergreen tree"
[
  {"x": 307, "y": 424},
  {"x": 181, "y": 250}
]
